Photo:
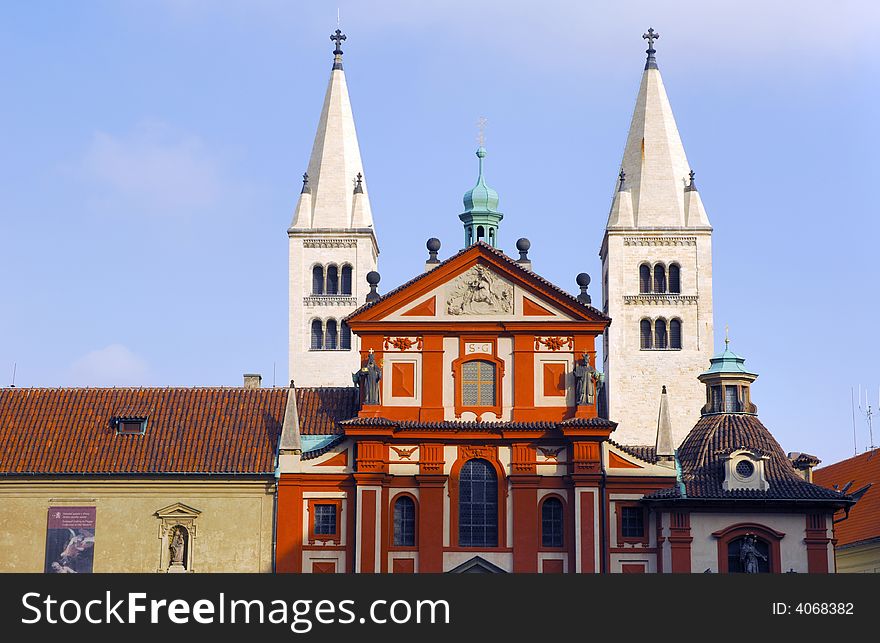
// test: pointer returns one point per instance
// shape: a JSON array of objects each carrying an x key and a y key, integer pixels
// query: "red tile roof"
[
  {"x": 320, "y": 409},
  {"x": 189, "y": 430},
  {"x": 864, "y": 518}
]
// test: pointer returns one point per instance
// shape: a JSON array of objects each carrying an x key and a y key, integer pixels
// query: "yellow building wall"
[
  {"x": 233, "y": 531},
  {"x": 859, "y": 560}
]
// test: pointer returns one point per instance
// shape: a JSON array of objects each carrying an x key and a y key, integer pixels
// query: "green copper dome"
[
  {"x": 481, "y": 198},
  {"x": 481, "y": 215},
  {"x": 727, "y": 362}
]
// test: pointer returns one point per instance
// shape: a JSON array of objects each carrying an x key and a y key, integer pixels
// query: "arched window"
[
  {"x": 318, "y": 280},
  {"x": 748, "y": 555},
  {"x": 477, "y": 505},
  {"x": 644, "y": 278},
  {"x": 674, "y": 278},
  {"x": 404, "y": 522},
  {"x": 345, "y": 286},
  {"x": 478, "y": 383},
  {"x": 331, "y": 340},
  {"x": 675, "y": 334},
  {"x": 332, "y": 280},
  {"x": 344, "y": 337},
  {"x": 645, "y": 332},
  {"x": 551, "y": 523},
  {"x": 491, "y": 236},
  {"x": 661, "y": 339},
  {"x": 659, "y": 278},
  {"x": 317, "y": 335},
  {"x": 481, "y": 232}
]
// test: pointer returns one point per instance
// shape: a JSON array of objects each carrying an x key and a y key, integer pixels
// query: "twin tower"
[{"x": 656, "y": 263}]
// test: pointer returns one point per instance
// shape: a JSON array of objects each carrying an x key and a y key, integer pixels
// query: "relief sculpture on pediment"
[{"x": 480, "y": 292}]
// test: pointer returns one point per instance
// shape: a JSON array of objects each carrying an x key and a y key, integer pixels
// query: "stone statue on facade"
[
  {"x": 177, "y": 545},
  {"x": 368, "y": 379},
  {"x": 749, "y": 555},
  {"x": 585, "y": 378}
]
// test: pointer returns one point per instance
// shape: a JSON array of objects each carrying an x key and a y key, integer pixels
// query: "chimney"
[{"x": 252, "y": 380}]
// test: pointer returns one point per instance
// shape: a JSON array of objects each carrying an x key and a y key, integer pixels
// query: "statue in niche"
[
  {"x": 479, "y": 292},
  {"x": 749, "y": 555},
  {"x": 585, "y": 379},
  {"x": 368, "y": 379},
  {"x": 178, "y": 543}
]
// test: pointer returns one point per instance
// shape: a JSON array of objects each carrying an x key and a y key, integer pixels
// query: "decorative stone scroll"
[
  {"x": 480, "y": 292},
  {"x": 403, "y": 343}
]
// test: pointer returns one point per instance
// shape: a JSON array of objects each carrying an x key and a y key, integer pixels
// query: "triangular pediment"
[
  {"x": 478, "y": 284},
  {"x": 178, "y": 510}
]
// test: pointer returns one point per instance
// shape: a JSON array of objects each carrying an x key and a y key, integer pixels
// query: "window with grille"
[
  {"x": 404, "y": 522},
  {"x": 325, "y": 520},
  {"x": 344, "y": 337},
  {"x": 551, "y": 523},
  {"x": 645, "y": 332},
  {"x": 674, "y": 278},
  {"x": 731, "y": 399},
  {"x": 716, "y": 399},
  {"x": 331, "y": 339},
  {"x": 660, "y": 337},
  {"x": 644, "y": 279},
  {"x": 478, "y": 383},
  {"x": 477, "y": 505},
  {"x": 345, "y": 282},
  {"x": 675, "y": 334},
  {"x": 318, "y": 280},
  {"x": 632, "y": 522},
  {"x": 332, "y": 280},
  {"x": 659, "y": 278},
  {"x": 317, "y": 335}
]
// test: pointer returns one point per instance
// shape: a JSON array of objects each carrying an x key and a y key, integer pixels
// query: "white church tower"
[
  {"x": 332, "y": 245},
  {"x": 657, "y": 276}
]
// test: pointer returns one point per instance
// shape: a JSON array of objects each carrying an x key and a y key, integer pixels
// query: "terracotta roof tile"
[
  {"x": 701, "y": 457},
  {"x": 488, "y": 427},
  {"x": 864, "y": 518},
  {"x": 646, "y": 453},
  {"x": 189, "y": 430},
  {"x": 320, "y": 409}
]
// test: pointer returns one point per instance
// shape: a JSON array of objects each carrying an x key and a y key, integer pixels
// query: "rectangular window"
[
  {"x": 478, "y": 383},
  {"x": 716, "y": 399},
  {"x": 731, "y": 399},
  {"x": 324, "y": 520},
  {"x": 130, "y": 426},
  {"x": 632, "y": 522}
]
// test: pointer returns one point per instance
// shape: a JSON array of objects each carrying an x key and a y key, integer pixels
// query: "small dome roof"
[{"x": 481, "y": 198}]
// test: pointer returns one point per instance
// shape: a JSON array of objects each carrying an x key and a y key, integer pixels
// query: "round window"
[{"x": 745, "y": 469}]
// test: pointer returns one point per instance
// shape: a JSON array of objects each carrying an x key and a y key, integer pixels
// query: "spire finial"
[
  {"x": 338, "y": 37},
  {"x": 622, "y": 177},
  {"x": 726, "y": 337},
  {"x": 692, "y": 186},
  {"x": 359, "y": 184},
  {"x": 651, "y": 36},
  {"x": 306, "y": 189}
]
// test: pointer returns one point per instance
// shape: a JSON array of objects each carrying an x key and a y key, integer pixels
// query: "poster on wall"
[{"x": 70, "y": 540}]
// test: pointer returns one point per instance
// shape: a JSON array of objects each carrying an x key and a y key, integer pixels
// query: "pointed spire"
[
  {"x": 654, "y": 162},
  {"x": 665, "y": 446},
  {"x": 622, "y": 185},
  {"x": 335, "y": 161},
  {"x": 692, "y": 186},
  {"x": 305, "y": 189}
]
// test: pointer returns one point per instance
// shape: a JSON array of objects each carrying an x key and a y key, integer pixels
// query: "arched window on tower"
[
  {"x": 551, "y": 523},
  {"x": 332, "y": 280},
  {"x": 318, "y": 280},
  {"x": 491, "y": 236},
  {"x": 344, "y": 337},
  {"x": 331, "y": 340},
  {"x": 477, "y": 505},
  {"x": 345, "y": 286},
  {"x": 481, "y": 233},
  {"x": 659, "y": 278},
  {"x": 645, "y": 333},
  {"x": 644, "y": 278},
  {"x": 404, "y": 522},
  {"x": 661, "y": 339},
  {"x": 674, "y": 278},
  {"x": 317, "y": 335},
  {"x": 675, "y": 334}
]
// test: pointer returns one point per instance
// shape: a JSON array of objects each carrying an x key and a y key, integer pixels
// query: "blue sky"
[{"x": 153, "y": 153}]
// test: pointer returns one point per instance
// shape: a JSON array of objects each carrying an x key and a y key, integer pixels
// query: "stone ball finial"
[
  {"x": 523, "y": 244},
  {"x": 373, "y": 278},
  {"x": 433, "y": 244},
  {"x": 583, "y": 280}
]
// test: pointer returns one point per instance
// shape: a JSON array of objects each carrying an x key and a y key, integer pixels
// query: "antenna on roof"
[
  {"x": 14, "y": 365},
  {"x": 869, "y": 417}
]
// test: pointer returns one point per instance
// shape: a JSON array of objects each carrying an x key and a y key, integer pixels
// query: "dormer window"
[
  {"x": 130, "y": 425},
  {"x": 744, "y": 469}
]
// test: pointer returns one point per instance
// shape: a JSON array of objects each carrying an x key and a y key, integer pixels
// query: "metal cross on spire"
[
  {"x": 651, "y": 36},
  {"x": 338, "y": 38},
  {"x": 481, "y": 126}
]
